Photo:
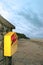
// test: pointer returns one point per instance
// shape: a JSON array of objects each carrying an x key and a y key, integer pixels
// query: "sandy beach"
[{"x": 30, "y": 52}]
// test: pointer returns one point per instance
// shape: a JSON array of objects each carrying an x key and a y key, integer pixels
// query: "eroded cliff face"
[{"x": 3, "y": 30}]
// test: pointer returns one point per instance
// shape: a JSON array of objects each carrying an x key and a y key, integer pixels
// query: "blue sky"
[{"x": 25, "y": 15}]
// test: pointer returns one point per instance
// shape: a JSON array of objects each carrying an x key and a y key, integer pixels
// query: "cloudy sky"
[{"x": 25, "y": 15}]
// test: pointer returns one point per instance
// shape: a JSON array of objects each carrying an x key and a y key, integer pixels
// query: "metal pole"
[{"x": 10, "y": 60}]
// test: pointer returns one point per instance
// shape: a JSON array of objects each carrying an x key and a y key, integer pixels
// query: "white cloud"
[{"x": 5, "y": 13}]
